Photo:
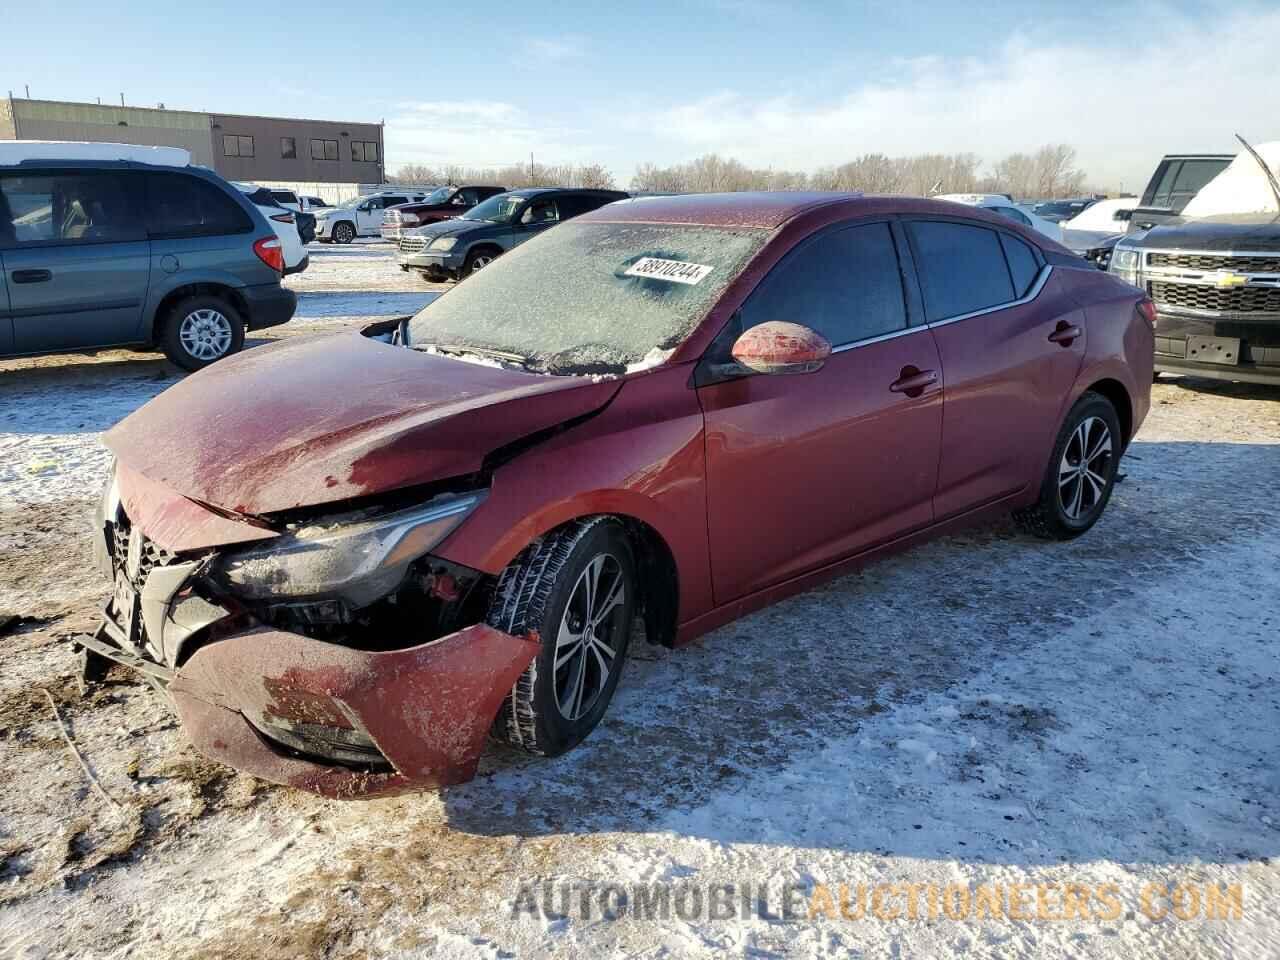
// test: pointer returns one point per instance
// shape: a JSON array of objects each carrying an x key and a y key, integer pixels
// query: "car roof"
[
  {"x": 13, "y": 152},
  {"x": 746, "y": 209}
]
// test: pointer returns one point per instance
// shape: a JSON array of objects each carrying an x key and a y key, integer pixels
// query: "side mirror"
[
  {"x": 781, "y": 348},
  {"x": 1124, "y": 215}
]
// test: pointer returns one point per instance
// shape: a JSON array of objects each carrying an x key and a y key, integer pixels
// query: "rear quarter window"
[
  {"x": 962, "y": 268},
  {"x": 1023, "y": 265},
  {"x": 179, "y": 205}
]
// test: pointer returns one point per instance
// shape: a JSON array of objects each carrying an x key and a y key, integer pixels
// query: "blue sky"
[{"x": 785, "y": 84}]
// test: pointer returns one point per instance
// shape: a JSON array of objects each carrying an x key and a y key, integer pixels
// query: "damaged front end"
[{"x": 333, "y": 654}]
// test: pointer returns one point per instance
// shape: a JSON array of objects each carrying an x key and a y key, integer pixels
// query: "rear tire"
[
  {"x": 576, "y": 587},
  {"x": 1081, "y": 473},
  {"x": 343, "y": 232},
  {"x": 201, "y": 330}
]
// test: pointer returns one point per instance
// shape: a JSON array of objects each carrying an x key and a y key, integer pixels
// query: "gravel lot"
[{"x": 987, "y": 709}]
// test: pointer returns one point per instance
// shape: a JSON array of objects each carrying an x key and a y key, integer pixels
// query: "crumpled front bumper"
[{"x": 426, "y": 709}]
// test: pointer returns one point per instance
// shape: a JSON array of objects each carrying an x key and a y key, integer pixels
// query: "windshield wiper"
[
  {"x": 1271, "y": 177},
  {"x": 465, "y": 348}
]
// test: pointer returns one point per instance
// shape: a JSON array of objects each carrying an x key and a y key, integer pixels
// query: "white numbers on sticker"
[{"x": 676, "y": 271}]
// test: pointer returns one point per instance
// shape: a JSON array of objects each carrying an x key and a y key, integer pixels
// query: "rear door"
[
  {"x": 804, "y": 470},
  {"x": 1011, "y": 346},
  {"x": 77, "y": 264}
]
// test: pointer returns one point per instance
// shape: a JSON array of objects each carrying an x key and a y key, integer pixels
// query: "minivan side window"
[
  {"x": 87, "y": 206},
  {"x": 845, "y": 284},
  {"x": 179, "y": 205},
  {"x": 962, "y": 268}
]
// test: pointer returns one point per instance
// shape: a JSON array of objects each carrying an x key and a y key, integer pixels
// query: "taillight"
[
  {"x": 1148, "y": 310},
  {"x": 283, "y": 218},
  {"x": 270, "y": 252}
]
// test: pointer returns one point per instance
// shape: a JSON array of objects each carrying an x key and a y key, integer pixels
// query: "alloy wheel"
[
  {"x": 205, "y": 333},
  {"x": 587, "y": 642},
  {"x": 481, "y": 261},
  {"x": 1085, "y": 469}
]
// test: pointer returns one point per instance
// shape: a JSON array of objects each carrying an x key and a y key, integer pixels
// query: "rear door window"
[
  {"x": 179, "y": 205},
  {"x": 1160, "y": 197},
  {"x": 846, "y": 285},
  {"x": 91, "y": 206},
  {"x": 962, "y": 268}
]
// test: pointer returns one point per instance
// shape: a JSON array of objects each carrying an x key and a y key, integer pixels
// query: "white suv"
[{"x": 362, "y": 217}]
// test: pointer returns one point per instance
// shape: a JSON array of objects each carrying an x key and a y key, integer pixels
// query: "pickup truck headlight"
[
  {"x": 353, "y": 557},
  {"x": 1126, "y": 263},
  {"x": 443, "y": 243}
]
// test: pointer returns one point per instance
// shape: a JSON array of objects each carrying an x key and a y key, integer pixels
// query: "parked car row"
[
  {"x": 606, "y": 424},
  {"x": 111, "y": 245}
]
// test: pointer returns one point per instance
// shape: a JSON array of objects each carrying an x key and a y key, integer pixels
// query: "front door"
[
  {"x": 77, "y": 265},
  {"x": 806, "y": 469},
  {"x": 1012, "y": 346}
]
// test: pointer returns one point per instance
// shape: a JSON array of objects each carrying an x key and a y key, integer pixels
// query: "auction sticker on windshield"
[{"x": 677, "y": 271}]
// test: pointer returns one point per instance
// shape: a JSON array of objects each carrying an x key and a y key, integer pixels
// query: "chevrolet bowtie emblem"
[{"x": 1229, "y": 280}]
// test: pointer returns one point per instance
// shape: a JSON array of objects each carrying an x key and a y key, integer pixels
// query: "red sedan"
[{"x": 348, "y": 560}]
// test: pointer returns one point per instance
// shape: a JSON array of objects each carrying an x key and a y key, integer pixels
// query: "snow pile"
[
  {"x": 16, "y": 151},
  {"x": 1241, "y": 188}
]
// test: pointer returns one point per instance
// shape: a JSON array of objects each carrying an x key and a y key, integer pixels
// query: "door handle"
[
  {"x": 912, "y": 381},
  {"x": 1065, "y": 333},
  {"x": 32, "y": 276}
]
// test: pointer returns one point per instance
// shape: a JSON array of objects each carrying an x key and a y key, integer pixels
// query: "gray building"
[{"x": 256, "y": 149}]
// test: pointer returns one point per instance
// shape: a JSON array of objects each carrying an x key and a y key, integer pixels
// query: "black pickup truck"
[{"x": 1213, "y": 271}]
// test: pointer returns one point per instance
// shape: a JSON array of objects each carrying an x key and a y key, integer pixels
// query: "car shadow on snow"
[
  {"x": 987, "y": 697},
  {"x": 1225, "y": 388}
]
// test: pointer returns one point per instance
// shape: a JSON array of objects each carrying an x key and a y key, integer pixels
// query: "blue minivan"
[{"x": 113, "y": 245}]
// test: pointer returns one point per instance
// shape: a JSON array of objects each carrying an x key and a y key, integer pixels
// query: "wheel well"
[
  {"x": 1114, "y": 391},
  {"x": 172, "y": 298},
  {"x": 659, "y": 579},
  {"x": 493, "y": 247}
]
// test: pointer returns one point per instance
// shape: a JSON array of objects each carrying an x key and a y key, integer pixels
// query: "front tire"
[
  {"x": 577, "y": 588},
  {"x": 477, "y": 260},
  {"x": 1081, "y": 473},
  {"x": 201, "y": 330}
]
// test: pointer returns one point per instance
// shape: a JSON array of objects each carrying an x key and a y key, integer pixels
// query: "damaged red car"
[{"x": 349, "y": 560}]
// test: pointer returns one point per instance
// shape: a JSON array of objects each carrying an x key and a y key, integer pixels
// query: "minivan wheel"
[
  {"x": 200, "y": 330},
  {"x": 576, "y": 587},
  {"x": 344, "y": 232},
  {"x": 1081, "y": 473}
]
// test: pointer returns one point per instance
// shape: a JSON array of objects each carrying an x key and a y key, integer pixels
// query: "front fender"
[{"x": 642, "y": 457}]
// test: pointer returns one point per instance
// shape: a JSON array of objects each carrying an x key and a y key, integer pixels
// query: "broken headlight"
[{"x": 355, "y": 557}]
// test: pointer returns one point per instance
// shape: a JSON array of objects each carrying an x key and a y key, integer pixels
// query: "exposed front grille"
[
  {"x": 412, "y": 244},
  {"x": 1204, "y": 261},
  {"x": 1191, "y": 296},
  {"x": 150, "y": 554}
]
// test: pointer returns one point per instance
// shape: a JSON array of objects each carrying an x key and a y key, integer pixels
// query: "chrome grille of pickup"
[
  {"x": 1205, "y": 261},
  {"x": 1191, "y": 296},
  {"x": 412, "y": 244}
]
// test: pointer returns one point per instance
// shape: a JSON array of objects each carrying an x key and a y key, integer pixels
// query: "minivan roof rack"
[{"x": 13, "y": 152}]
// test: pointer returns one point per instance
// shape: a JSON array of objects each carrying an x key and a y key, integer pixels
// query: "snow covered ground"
[{"x": 987, "y": 711}]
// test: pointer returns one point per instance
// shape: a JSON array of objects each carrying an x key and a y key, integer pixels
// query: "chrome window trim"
[
  {"x": 1041, "y": 279},
  {"x": 879, "y": 338}
]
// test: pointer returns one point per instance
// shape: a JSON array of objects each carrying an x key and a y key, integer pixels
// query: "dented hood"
[{"x": 326, "y": 419}]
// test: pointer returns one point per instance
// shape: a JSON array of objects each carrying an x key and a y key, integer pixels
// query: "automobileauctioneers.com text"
[{"x": 1047, "y": 902}]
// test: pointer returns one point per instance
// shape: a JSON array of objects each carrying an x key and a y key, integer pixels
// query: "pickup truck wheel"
[
  {"x": 576, "y": 587},
  {"x": 1081, "y": 473},
  {"x": 200, "y": 330},
  {"x": 477, "y": 260},
  {"x": 343, "y": 232}
]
